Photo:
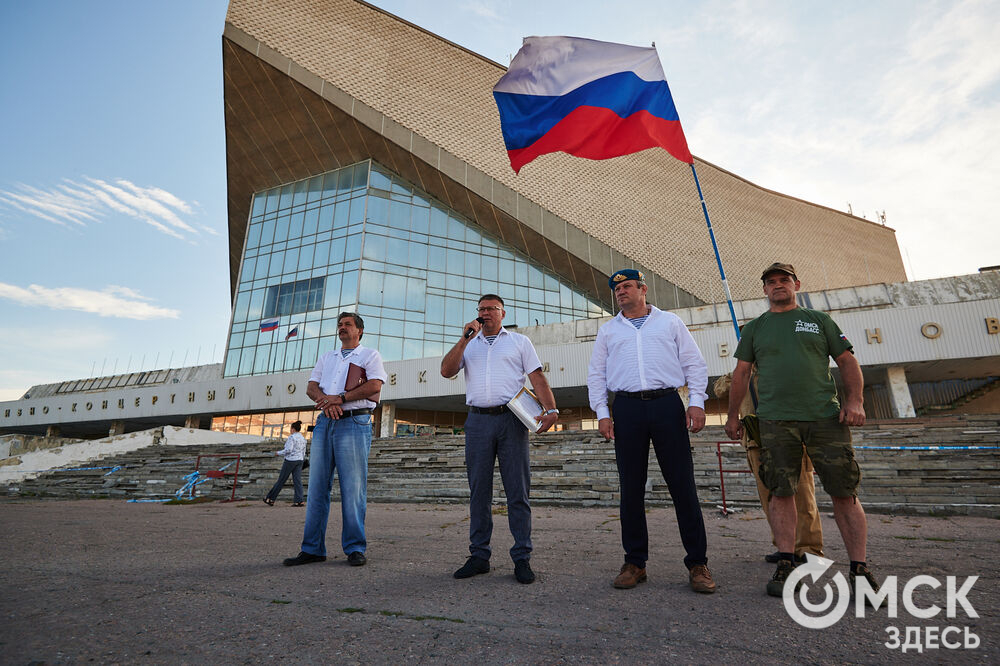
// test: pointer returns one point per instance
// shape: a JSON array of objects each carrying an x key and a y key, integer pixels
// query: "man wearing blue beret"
[{"x": 642, "y": 356}]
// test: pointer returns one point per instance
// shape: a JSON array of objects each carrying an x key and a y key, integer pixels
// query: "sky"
[{"x": 113, "y": 220}]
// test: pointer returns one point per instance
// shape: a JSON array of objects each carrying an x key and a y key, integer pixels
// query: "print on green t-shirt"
[{"x": 792, "y": 351}]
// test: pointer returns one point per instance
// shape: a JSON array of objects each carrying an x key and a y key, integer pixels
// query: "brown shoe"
[
  {"x": 701, "y": 579},
  {"x": 630, "y": 576}
]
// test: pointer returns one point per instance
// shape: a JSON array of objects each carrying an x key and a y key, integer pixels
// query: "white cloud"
[
  {"x": 79, "y": 203},
  {"x": 112, "y": 301}
]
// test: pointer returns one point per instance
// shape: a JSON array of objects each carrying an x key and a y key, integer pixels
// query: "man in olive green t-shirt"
[{"x": 798, "y": 406}]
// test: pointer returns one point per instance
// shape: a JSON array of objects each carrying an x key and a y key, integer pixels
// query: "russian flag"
[
  {"x": 292, "y": 333},
  {"x": 269, "y": 324},
  {"x": 587, "y": 98}
]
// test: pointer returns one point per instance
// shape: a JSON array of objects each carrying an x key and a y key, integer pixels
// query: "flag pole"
[{"x": 715, "y": 248}]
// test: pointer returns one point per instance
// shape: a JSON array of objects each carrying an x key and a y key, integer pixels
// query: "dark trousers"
[
  {"x": 663, "y": 421},
  {"x": 490, "y": 439},
  {"x": 293, "y": 467}
]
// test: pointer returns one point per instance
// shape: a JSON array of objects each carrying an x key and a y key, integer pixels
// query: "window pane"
[
  {"x": 315, "y": 187},
  {"x": 332, "y": 298},
  {"x": 295, "y": 225},
  {"x": 262, "y": 360},
  {"x": 396, "y": 251},
  {"x": 357, "y": 211},
  {"x": 281, "y": 229},
  {"x": 286, "y": 197},
  {"x": 439, "y": 222},
  {"x": 435, "y": 309},
  {"x": 416, "y": 293},
  {"x": 456, "y": 229},
  {"x": 285, "y": 293},
  {"x": 390, "y": 348},
  {"x": 379, "y": 180},
  {"x": 378, "y": 210},
  {"x": 310, "y": 353},
  {"x": 306, "y": 257},
  {"x": 232, "y": 362},
  {"x": 291, "y": 263},
  {"x": 413, "y": 348},
  {"x": 246, "y": 272},
  {"x": 394, "y": 292},
  {"x": 374, "y": 247},
  {"x": 267, "y": 232},
  {"x": 246, "y": 362},
  {"x": 456, "y": 262},
  {"x": 256, "y": 302},
  {"x": 325, "y": 219},
  {"x": 277, "y": 260},
  {"x": 472, "y": 264},
  {"x": 353, "y": 249},
  {"x": 361, "y": 174},
  {"x": 371, "y": 288},
  {"x": 337, "y": 246},
  {"x": 310, "y": 222},
  {"x": 253, "y": 235},
  {"x": 271, "y": 302},
  {"x": 341, "y": 214},
  {"x": 399, "y": 216}
]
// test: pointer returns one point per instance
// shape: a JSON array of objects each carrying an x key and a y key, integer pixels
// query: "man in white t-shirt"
[
  {"x": 341, "y": 441},
  {"x": 496, "y": 361}
]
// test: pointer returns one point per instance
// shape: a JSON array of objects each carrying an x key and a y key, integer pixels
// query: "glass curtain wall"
[{"x": 360, "y": 238}]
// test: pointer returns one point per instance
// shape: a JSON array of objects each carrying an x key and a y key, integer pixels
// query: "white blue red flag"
[
  {"x": 292, "y": 333},
  {"x": 269, "y": 324},
  {"x": 587, "y": 98}
]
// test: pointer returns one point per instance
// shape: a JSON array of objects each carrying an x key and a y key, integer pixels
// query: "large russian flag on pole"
[{"x": 587, "y": 98}]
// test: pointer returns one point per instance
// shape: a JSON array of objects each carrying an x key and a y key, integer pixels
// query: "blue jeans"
[
  {"x": 340, "y": 445},
  {"x": 504, "y": 439}
]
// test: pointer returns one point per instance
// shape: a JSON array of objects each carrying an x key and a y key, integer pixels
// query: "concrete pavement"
[{"x": 113, "y": 582}]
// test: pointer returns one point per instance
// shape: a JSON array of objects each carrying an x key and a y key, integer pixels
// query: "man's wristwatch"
[
  {"x": 550, "y": 411},
  {"x": 343, "y": 397}
]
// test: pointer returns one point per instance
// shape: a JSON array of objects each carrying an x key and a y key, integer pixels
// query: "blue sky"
[{"x": 113, "y": 247}]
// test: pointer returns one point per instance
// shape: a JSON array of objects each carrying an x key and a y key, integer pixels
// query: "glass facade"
[{"x": 362, "y": 239}]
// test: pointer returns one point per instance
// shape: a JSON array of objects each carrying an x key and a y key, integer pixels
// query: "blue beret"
[{"x": 625, "y": 274}]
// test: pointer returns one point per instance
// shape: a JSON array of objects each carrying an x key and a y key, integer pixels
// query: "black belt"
[
  {"x": 499, "y": 409},
  {"x": 357, "y": 412},
  {"x": 645, "y": 395}
]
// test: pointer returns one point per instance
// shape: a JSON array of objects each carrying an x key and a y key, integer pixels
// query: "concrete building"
[{"x": 366, "y": 172}]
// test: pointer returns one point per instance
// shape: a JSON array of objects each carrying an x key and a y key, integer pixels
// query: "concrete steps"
[{"x": 578, "y": 469}]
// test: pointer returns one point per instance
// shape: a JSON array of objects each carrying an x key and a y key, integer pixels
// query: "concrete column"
[
  {"x": 388, "y": 428},
  {"x": 117, "y": 428},
  {"x": 53, "y": 431},
  {"x": 899, "y": 393},
  {"x": 193, "y": 422}
]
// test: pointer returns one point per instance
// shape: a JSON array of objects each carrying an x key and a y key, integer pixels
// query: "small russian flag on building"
[
  {"x": 269, "y": 324},
  {"x": 292, "y": 333}
]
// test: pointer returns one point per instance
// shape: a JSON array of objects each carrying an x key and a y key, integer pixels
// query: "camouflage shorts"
[{"x": 828, "y": 444}]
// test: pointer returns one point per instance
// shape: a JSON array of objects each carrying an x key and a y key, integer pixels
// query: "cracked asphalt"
[{"x": 110, "y": 582}]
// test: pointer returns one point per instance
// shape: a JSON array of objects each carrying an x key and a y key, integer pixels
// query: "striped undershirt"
[
  {"x": 491, "y": 338},
  {"x": 345, "y": 352},
  {"x": 638, "y": 321}
]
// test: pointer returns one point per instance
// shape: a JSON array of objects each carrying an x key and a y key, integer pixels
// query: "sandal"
[
  {"x": 298, "y": 503},
  {"x": 269, "y": 502}
]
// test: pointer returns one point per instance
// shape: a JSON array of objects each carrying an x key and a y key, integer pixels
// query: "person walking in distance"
[{"x": 295, "y": 455}]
